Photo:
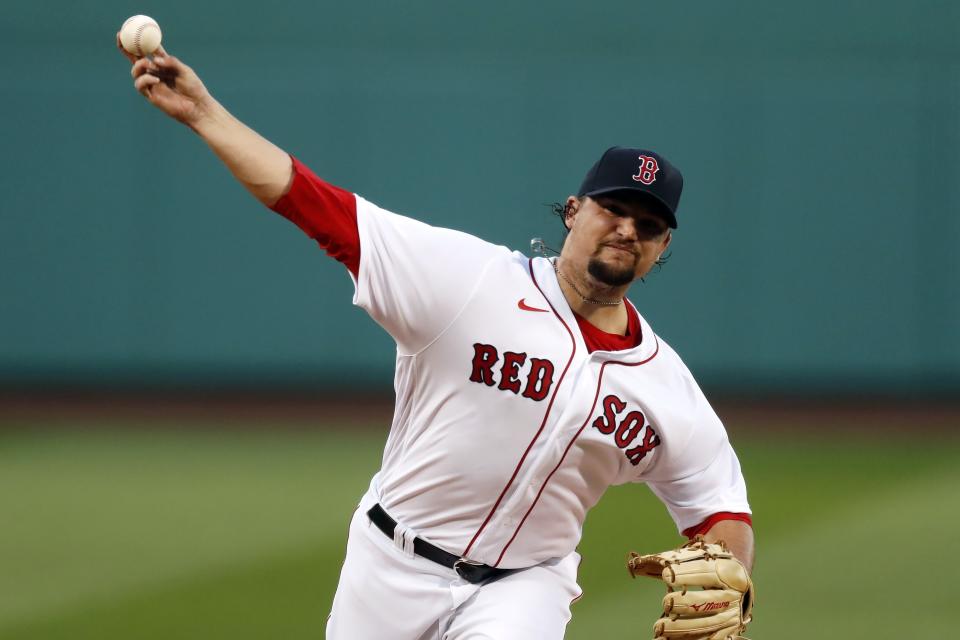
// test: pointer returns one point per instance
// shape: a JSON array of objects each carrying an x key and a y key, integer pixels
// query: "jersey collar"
[{"x": 546, "y": 277}]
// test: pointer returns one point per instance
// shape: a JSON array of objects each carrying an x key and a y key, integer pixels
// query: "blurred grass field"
[{"x": 108, "y": 532}]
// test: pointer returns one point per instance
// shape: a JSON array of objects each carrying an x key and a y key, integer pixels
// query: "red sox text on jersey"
[{"x": 629, "y": 429}]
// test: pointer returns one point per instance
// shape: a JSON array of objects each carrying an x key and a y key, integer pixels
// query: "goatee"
[{"x": 610, "y": 276}]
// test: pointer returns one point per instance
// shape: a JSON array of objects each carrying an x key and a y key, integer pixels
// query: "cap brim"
[{"x": 664, "y": 210}]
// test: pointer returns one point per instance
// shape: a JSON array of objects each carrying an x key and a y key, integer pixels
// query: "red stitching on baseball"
[{"x": 136, "y": 37}]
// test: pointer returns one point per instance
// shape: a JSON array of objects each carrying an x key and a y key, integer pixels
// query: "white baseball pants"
[{"x": 386, "y": 594}]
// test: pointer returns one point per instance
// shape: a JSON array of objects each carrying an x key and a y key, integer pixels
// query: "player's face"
[{"x": 615, "y": 239}]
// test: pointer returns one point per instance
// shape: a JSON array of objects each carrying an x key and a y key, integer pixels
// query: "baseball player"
[{"x": 524, "y": 388}]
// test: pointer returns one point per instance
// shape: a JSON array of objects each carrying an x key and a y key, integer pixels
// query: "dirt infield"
[{"x": 304, "y": 411}]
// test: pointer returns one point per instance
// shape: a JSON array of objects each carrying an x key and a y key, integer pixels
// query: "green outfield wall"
[{"x": 817, "y": 247}]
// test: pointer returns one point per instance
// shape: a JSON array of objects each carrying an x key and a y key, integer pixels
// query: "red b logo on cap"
[{"x": 648, "y": 170}]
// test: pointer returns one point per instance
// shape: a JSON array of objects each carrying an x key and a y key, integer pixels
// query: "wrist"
[{"x": 211, "y": 115}]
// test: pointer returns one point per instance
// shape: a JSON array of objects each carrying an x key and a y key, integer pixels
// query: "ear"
[
  {"x": 666, "y": 242},
  {"x": 571, "y": 207}
]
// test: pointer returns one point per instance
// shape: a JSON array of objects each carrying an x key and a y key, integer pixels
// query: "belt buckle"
[{"x": 466, "y": 569}]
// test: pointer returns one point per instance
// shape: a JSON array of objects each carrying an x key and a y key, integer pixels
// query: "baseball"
[{"x": 140, "y": 35}]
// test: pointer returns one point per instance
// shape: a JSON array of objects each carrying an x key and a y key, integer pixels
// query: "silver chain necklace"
[{"x": 556, "y": 267}]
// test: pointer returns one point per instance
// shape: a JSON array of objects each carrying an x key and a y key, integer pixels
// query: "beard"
[{"x": 609, "y": 275}]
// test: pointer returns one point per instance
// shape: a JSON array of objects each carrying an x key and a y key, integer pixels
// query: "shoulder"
[
  {"x": 665, "y": 353},
  {"x": 668, "y": 353},
  {"x": 376, "y": 221},
  {"x": 672, "y": 370}
]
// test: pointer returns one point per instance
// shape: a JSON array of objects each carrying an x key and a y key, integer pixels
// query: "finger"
[
  {"x": 161, "y": 57},
  {"x": 129, "y": 56},
  {"x": 171, "y": 64},
  {"x": 720, "y": 626},
  {"x": 722, "y": 573},
  {"x": 144, "y": 83},
  {"x": 141, "y": 67}
]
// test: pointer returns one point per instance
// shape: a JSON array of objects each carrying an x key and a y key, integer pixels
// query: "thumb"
[
  {"x": 171, "y": 64},
  {"x": 162, "y": 58}
]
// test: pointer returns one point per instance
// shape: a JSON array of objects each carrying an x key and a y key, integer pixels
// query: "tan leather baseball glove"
[{"x": 709, "y": 592}]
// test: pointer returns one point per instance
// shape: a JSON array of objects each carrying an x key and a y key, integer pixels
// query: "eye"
[
  {"x": 650, "y": 228},
  {"x": 613, "y": 208}
]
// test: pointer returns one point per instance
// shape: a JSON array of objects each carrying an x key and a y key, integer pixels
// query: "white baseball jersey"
[{"x": 507, "y": 430}]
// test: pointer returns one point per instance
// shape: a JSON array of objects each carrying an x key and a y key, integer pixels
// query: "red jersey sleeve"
[
  {"x": 326, "y": 213},
  {"x": 707, "y": 524}
]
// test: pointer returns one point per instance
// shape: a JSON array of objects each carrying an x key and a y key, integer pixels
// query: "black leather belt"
[{"x": 473, "y": 572}]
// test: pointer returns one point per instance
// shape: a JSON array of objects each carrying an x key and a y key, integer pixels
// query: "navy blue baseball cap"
[{"x": 637, "y": 170}]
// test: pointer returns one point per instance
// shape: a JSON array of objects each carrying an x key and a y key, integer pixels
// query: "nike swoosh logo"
[{"x": 523, "y": 306}]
